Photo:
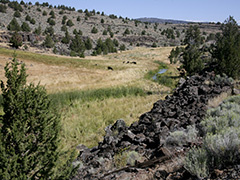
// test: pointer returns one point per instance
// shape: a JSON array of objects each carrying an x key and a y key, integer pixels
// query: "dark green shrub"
[
  {"x": 44, "y": 13},
  {"x": 126, "y": 32},
  {"x": 154, "y": 45},
  {"x": 14, "y": 5},
  {"x": 122, "y": 47},
  {"x": 13, "y": 25},
  {"x": 49, "y": 43},
  {"x": 16, "y": 40},
  {"x": 70, "y": 23},
  {"x": 25, "y": 27},
  {"x": 17, "y": 14},
  {"x": 39, "y": 10},
  {"x": 32, "y": 21},
  {"x": 79, "y": 32},
  {"x": 38, "y": 30},
  {"x": 115, "y": 42},
  {"x": 51, "y": 22},
  {"x": 88, "y": 44},
  {"x": 66, "y": 39},
  {"x": 64, "y": 28},
  {"x": 102, "y": 21},
  {"x": 29, "y": 136},
  {"x": 49, "y": 30},
  {"x": 111, "y": 34},
  {"x": 3, "y": 8},
  {"x": 143, "y": 32},
  {"x": 52, "y": 14},
  {"x": 27, "y": 18},
  {"x": 94, "y": 30},
  {"x": 104, "y": 32},
  {"x": 78, "y": 18}
]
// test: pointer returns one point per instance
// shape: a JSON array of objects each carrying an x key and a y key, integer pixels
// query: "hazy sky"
[{"x": 195, "y": 10}]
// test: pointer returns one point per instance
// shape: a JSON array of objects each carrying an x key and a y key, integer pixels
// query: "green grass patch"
[
  {"x": 66, "y": 98},
  {"x": 169, "y": 78}
]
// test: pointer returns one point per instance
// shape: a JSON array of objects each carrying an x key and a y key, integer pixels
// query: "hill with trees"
[{"x": 35, "y": 22}]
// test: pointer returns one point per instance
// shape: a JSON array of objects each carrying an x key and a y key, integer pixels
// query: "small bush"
[
  {"x": 105, "y": 32},
  {"x": 94, "y": 30},
  {"x": 122, "y": 47},
  {"x": 44, "y": 13},
  {"x": 78, "y": 18},
  {"x": 196, "y": 162},
  {"x": 70, "y": 23},
  {"x": 32, "y": 21},
  {"x": 27, "y": 18}
]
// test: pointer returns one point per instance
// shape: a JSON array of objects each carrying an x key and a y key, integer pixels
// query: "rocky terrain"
[
  {"x": 146, "y": 149},
  {"x": 127, "y": 32}
]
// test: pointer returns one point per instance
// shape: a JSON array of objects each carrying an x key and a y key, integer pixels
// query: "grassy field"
[{"x": 88, "y": 96}]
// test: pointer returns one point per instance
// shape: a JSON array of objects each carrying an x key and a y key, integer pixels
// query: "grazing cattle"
[
  {"x": 110, "y": 68},
  {"x": 133, "y": 62}
]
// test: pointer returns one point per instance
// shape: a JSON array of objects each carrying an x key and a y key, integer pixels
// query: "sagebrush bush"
[
  {"x": 196, "y": 162},
  {"x": 221, "y": 145}
]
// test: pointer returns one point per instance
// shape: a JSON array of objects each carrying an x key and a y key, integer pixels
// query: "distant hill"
[
  {"x": 163, "y": 21},
  {"x": 62, "y": 23}
]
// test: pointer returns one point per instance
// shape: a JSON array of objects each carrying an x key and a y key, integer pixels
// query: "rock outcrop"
[{"x": 147, "y": 137}]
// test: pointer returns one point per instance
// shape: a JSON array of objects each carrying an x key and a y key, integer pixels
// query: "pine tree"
[{"x": 29, "y": 130}]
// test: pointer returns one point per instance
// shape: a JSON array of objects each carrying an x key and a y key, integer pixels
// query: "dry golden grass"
[{"x": 89, "y": 73}]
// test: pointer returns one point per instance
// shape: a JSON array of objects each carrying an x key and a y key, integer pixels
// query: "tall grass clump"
[
  {"x": 221, "y": 144},
  {"x": 61, "y": 99}
]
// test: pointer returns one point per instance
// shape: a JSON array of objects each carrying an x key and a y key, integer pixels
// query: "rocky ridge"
[{"x": 145, "y": 150}]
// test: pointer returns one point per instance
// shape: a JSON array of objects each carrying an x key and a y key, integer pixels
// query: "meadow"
[{"x": 90, "y": 97}]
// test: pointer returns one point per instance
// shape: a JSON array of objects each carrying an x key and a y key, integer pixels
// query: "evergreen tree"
[
  {"x": 88, "y": 44},
  {"x": 17, "y": 14},
  {"x": 226, "y": 51},
  {"x": 29, "y": 130},
  {"x": 94, "y": 30},
  {"x": 77, "y": 45},
  {"x": 25, "y": 27},
  {"x": 49, "y": 43},
  {"x": 66, "y": 38},
  {"x": 70, "y": 23},
  {"x": 16, "y": 40},
  {"x": 13, "y": 25},
  {"x": 38, "y": 30}
]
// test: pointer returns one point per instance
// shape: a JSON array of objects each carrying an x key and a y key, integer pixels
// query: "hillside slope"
[{"x": 124, "y": 33}]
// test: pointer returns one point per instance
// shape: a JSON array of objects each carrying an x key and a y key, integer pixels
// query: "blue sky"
[{"x": 194, "y": 10}]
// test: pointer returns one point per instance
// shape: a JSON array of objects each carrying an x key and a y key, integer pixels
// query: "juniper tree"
[
  {"x": 16, "y": 40},
  {"x": 29, "y": 130},
  {"x": 13, "y": 25},
  {"x": 226, "y": 50}
]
